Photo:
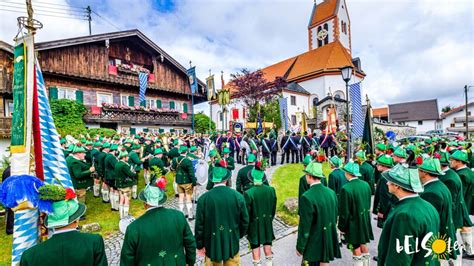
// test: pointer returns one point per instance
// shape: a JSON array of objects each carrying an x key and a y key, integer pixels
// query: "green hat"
[
  {"x": 335, "y": 161},
  {"x": 411, "y": 147},
  {"x": 193, "y": 149},
  {"x": 116, "y": 137},
  {"x": 257, "y": 176},
  {"x": 83, "y": 140},
  {"x": 175, "y": 142},
  {"x": 307, "y": 160},
  {"x": 158, "y": 151},
  {"x": 122, "y": 154},
  {"x": 226, "y": 150},
  {"x": 154, "y": 194},
  {"x": 128, "y": 141},
  {"x": 428, "y": 141},
  {"x": 114, "y": 147},
  {"x": 78, "y": 149},
  {"x": 220, "y": 174},
  {"x": 136, "y": 146},
  {"x": 65, "y": 212},
  {"x": 404, "y": 177},
  {"x": 352, "y": 168},
  {"x": 137, "y": 136},
  {"x": 385, "y": 160},
  {"x": 436, "y": 139},
  {"x": 183, "y": 149},
  {"x": 70, "y": 148},
  {"x": 314, "y": 169},
  {"x": 381, "y": 146},
  {"x": 444, "y": 158},
  {"x": 251, "y": 158},
  {"x": 62, "y": 141},
  {"x": 361, "y": 155},
  {"x": 89, "y": 143},
  {"x": 101, "y": 139},
  {"x": 460, "y": 155},
  {"x": 431, "y": 166},
  {"x": 213, "y": 153},
  {"x": 106, "y": 145},
  {"x": 401, "y": 153},
  {"x": 97, "y": 144}
]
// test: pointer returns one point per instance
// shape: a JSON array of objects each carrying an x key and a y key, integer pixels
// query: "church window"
[
  {"x": 320, "y": 42},
  {"x": 293, "y": 100},
  {"x": 315, "y": 100},
  {"x": 326, "y": 40},
  {"x": 339, "y": 95},
  {"x": 293, "y": 120}
]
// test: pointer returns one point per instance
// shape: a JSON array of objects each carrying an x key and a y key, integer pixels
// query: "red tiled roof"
[
  {"x": 380, "y": 112},
  {"x": 278, "y": 70},
  {"x": 323, "y": 11},
  {"x": 455, "y": 110}
]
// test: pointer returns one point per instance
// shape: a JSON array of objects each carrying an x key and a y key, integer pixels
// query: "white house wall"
[
  {"x": 342, "y": 16},
  {"x": 426, "y": 126}
]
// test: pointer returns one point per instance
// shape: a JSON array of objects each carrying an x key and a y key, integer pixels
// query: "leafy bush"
[
  {"x": 201, "y": 123},
  {"x": 104, "y": 132},
  {"x": 67, "y": 115}
]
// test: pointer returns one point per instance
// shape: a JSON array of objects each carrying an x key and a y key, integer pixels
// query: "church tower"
[{"x": 329, "y": 22}]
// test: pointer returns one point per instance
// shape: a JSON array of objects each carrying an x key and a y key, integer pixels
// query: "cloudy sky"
[{"x": 410, "y": 50}]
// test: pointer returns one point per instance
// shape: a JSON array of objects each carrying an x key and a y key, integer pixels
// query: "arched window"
[
  {"x": 315, "y": 100},
  {"x": 320, "y": 42},
  {"x": 339, "y": 95},
  {"x": 326, "y": 40}
]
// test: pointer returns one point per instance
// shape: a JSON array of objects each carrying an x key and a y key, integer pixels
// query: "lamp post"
[{"x": 346, "y": 73}]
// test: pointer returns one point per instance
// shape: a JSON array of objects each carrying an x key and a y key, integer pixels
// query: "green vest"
[
  {"x": 261, "y": 205},
  {"x": 160, "y": 236},
  {"x": 467, "y": 178},
  {"x": 317, "y": 232},
  {"x": 80, "y": 174},
  {"x": 69, "y": 248},
  {"x": 422, "y": 219},
  {"x": 438, "y": 195},
  {"x": 460, "y": 214},
  {"x": 184, "y": 170},
  {"x": 354, "y": 212},
  {"x": 221, "y": 220},
  {"x": 124, "y": 176}
]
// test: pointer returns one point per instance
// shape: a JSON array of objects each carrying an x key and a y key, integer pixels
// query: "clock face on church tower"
[{"x": 322, "y": 34}]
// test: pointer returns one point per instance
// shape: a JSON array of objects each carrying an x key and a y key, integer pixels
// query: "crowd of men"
[{"x": 420, "y": 189}]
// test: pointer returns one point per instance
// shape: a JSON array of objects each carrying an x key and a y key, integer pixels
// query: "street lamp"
[{"x": 346, "y": 73}]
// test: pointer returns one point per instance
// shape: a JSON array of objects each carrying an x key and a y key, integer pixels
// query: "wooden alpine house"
[{"x": 101, "y": 71}]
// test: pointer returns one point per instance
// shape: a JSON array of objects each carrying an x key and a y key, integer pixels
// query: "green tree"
[
  {"x": 269, "y": 112},
  {"x": 67, "y": 115},
  {"x": 201, "y": 123}
]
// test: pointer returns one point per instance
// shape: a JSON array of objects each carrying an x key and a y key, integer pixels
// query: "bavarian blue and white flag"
[
  {"x": 192, "y": 79},
  {"x": 54, "y": 163},
  {"x": 357, "y": 115},
  {"x": 143, "y": 78},
  {"x": 284, "y": 112}
]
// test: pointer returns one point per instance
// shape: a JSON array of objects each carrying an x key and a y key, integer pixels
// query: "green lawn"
[
  {"x": 285, "y": 180},
  {"x": 96, "y": 212}
]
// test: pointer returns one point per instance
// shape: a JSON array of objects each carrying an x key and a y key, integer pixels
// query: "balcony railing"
[
  {"x": 112, "y": 115},
  {"x": 5, "y": 127}
]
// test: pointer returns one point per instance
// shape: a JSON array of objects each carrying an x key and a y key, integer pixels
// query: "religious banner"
[
  {"x": 19, "y": 120},
  {"x": 284, "y": 112},
  {"x": 210, "y": 88},
  {"x": 192, "y": 79}
]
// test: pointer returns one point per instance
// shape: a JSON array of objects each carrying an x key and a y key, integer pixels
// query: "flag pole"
[{"x": 192, "y": 101}]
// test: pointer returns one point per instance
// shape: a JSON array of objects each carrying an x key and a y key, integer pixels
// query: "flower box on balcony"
[
  {"x": 151, "y": 78},
  {"x": 96, "y": 110},
  {"x": 113, "y": 70}
]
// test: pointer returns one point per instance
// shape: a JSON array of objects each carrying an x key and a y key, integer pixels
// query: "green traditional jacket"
[
  {"x": 80, "y": 174},
  {"x": 317, "y": 232},
  {"x": 261, "y": 205},
  {"x": 210, "y": 184},
  {"x": 173, "y": 153},
  {"x": 230, "y": 163},
  {"x": 101, "y": 162},
  {"x": 66, "y": 153},
  {"x": 467, "y": 178},
  {"x": 304, "y": 186},
  {"x": 109, "y": 166},
  {"x": 436, "y": 193},
  {"x": 337, "y": 179},
  {"x": 124, "y": 176},
  {"x": 383, "y": 201},
  {"x": 161, "y": 236},
  {"x": 242, "y": 181},
  {"x": 460, "y": 214},
  {"x": 148, "y": 149},
  {"x": 367, "y": 172},
  {"x": 354, "y": 212},
  {"x": 89, "y": 156},
  {"x": 221, "y": 220},
  {"x": 134, "y": 160},
  {"x": 70, "y": 248},
  {"x": 412, "y": 216},
  {"x": 184, "y": 170}
]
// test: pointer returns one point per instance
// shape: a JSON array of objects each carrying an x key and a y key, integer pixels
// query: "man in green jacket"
[
  {"x": 354, "y": 214},
  {"x": 230, "y": 163},
  {"x": 366, "y": 170},
  {"x": 67, "y": 246},
  {"x": 337, "y": 178},
  {"x": 436, "y": 193},
  {"x": 242, "y": 182},
  {"x": 109, "y": 177},
  {"x": 459, "y": 163},
  {"x": 185, "y": 179},
  {"x": 136, "y": 163},
  {"x": 80, "y": 172},
  {"x": 261, "y": 205},
  {"x": 383, "y": 200},
  {"x": 100, "y": 163},
  {"x": 411, "y": 221},
  {"x": 303, "y": 184},
  {"x": 317, "y": 233},
  {"x": 161, "y": 236},
  {"x": 157, "y": 161},
  {"x": 221, "y": 221},
  {"x": 125, "y": 178}
]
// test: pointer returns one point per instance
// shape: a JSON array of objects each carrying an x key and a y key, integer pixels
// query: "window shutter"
[
  {"x": 133, "y": 131},
  {"x": 161, "y": 130},
  {"x": 79, "y": 96},
  {"x": 158, "y": 104},
  {"x": 172, "y": 105},
  {"x": 185, "y": 108},
  {"x": 145, "y": 130},
  {"x": 53, "y": 93},
  {"x": 185, "y": 131},
  {"x": 131, "y": 101}
]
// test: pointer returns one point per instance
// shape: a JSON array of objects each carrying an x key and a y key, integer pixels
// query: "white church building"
[{"x": 313, "y": 77}]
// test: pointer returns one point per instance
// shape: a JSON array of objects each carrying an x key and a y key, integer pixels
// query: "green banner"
[{"x": 19, "y": 100}]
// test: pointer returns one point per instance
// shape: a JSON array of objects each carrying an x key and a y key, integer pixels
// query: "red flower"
[
  {"x": 223, "y": 163},
  {"x": 437, "y": 156},
  {"x": 161, "y": 183},
  {"x": 258, "y": 164},
  {"x": 419, "y": 160},
  {"x": 70, "y": 194}
]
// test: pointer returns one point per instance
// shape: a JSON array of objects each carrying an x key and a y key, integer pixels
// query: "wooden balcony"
[
  {"x": 5, "y": 127},
  {"x": 136, "y": 117}
]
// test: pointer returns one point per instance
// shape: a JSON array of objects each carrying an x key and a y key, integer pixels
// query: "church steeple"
[{"x": 329, "y": 22}]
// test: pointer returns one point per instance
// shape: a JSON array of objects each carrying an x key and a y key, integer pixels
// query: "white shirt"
[
  {"x": 219, "y": 185},
  {"x": 409, "y": 196},
  {"x": 430, "y": 181},
  {"x": 60, "y": 231}
]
